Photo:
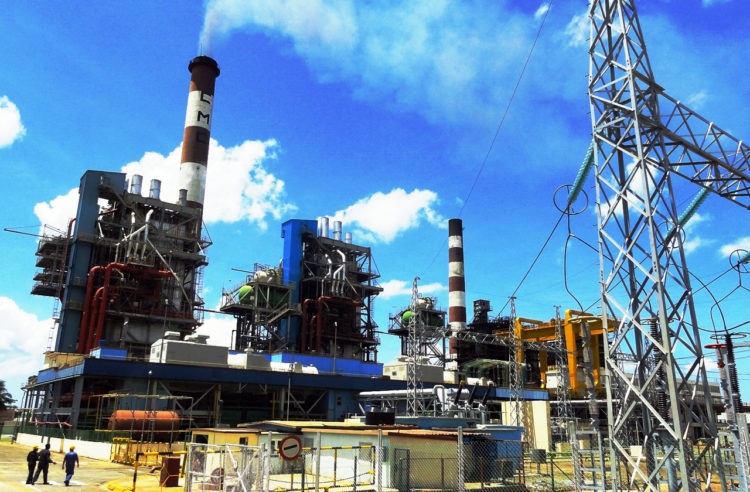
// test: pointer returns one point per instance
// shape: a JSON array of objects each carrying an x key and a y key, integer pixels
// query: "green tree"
[{"x": 5, "y": 397}]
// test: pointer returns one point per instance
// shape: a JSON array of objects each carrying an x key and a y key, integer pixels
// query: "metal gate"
[{"x": 230, "y": 468}]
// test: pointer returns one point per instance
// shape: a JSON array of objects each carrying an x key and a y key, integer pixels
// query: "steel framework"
[
  {"x": 414, "y": 385},
  {"x": 514, "y": 369},
  {"x": 644, "y": 138}
]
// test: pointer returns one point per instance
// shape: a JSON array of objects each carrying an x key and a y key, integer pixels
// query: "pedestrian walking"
[
  {"x": 45, "y": 458},
  {"x": 69, "y": 464},
  {"x": 31, "y": 460}
]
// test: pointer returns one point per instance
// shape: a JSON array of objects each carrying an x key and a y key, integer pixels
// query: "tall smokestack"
[
  {"x": 203, "y": 73},
  {"x": 456, "y": 282}
]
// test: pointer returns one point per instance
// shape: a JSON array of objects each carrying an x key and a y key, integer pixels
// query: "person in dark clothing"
[
  {"x": 31, "y": 460},
  {"x": 69, "y": 464},
  {"x": 45, "y": 458}
]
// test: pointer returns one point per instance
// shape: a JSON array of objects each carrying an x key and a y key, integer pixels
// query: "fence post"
[
  {"x": 379, "y": 462},
  {"x": 552, "y": 469},
  {"x": 135, "y": 471},
  {"x": 460, "y": 459},
  {"x": 188, "y": 466},
  {"x": 317, "y": 462},
  {"x": 259, "y": 470},
  {"x": 267, "y": 467},
  {"x": 335, "y": 464},
  {"x": 356, "y": 460}
]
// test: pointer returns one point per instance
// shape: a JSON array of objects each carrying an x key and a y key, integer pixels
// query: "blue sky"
[{"x": 377, "y": 113}]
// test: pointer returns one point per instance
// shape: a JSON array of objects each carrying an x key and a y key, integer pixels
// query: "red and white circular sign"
[{"x": 290, "y": 448}]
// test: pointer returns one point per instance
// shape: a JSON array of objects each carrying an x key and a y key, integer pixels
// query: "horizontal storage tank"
[{"x": 160, "y": 425}]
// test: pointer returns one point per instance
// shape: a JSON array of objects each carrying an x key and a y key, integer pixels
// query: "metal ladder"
[
  {"x": 55, "y": 323},
  {"x": 729, "y": 447},
  {"x": 588, "y": 463}
]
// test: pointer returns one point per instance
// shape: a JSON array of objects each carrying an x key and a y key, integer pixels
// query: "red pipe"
[
  {"x": 322, "y": 300},
  {"x": 321, "y": 316},
  {"x": 101, "y": 313},
  {"x": 313, "y": 321},
  {"x": 87, "y": 308},
  {"x": 92, "y": 319},
  {"x": 303, "y": 334}
]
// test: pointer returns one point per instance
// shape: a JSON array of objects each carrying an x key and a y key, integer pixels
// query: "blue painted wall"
[
  {"x": 292, "y": 231},
  {"x": 80, "y": 256}
]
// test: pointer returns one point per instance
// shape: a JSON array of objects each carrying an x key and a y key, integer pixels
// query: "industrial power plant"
[{"x": 473, "y": 401}]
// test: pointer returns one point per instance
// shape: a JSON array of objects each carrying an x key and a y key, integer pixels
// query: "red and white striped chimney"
[
  {"x": 203, "y": 73},
  {"x": 456, "y": 282}
]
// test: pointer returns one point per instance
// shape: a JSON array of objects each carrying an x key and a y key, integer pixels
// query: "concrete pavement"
[{"x": 91, "y": 475}]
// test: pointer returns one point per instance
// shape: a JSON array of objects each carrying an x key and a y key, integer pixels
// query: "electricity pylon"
[{"x": 644, "y": 140}]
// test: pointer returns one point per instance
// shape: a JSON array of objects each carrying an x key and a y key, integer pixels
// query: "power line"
[
  {"x": 507, "y": 108},
  {"x": 497, "y": 132},
  {"x": 536, "y": 258}
]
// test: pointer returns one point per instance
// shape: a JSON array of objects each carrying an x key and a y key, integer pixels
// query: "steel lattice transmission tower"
[
  {"x": 644, "y": 140},
  {"x": 414, "y": 385},
  {"x": 515, "y": 378},
  {"x": 564, "y": 408}
]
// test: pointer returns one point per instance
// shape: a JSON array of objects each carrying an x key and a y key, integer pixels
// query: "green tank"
[
  {"x": 407, "y": 316},
  {"x": 245, "y": 294}
]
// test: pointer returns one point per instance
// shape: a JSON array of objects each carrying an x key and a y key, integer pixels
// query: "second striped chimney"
[{"x": 456, "y": 281}]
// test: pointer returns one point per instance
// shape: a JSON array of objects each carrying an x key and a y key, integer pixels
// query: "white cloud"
[
  {"x": 315, "y": 21},
  {"x": 393, "y": 288},
  {"x": 219, "y": 329},
  {"x": 541, "y": 11},
  {"x": 742, "y": 243},
  {"x": 696, "y": 100},
  {"x": 577, "y": 31},
  {"x": 238, "y": 185},
  {"x": 58, "y": 211},
  {"x": 11, "y": 128},
  {"x": 23, "y": 339},
  {"x": 643, "y": 180},
  {"x": 708, "y": 3},
  {"x": 710, "y": 364},
  {"x": 381, "y": 217},
  {"x": 694, "y": 241},
  {"x": 447, "y": 60}
]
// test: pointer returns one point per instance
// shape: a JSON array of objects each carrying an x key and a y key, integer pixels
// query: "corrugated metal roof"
[
  {"x": 433, "y": 433},
  {"x": 227, "y": 430}
]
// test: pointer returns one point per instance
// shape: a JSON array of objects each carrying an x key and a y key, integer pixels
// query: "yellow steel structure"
[{"x": 531, "y": 330}]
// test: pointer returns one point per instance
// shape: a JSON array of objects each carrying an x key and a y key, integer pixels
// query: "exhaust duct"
[
  {"x": 155, "y": 189},
  {"x": 136, "y": 183}
]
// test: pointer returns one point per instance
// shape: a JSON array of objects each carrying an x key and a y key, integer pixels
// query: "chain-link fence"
[
  {"x": 457, "y": 462},
  {"x": 228, "y": 468},
  {"x": 450, "y": 461}
]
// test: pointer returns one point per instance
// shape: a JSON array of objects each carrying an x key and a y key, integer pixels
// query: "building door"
[{"x": 401, "y": 469}]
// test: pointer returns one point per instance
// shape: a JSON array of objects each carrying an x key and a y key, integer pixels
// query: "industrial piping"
[
  {"x": 456, "y": 282},
  {"x": 194, "y": 162}
]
